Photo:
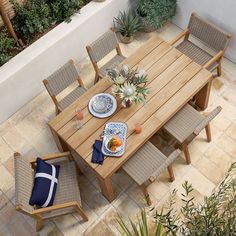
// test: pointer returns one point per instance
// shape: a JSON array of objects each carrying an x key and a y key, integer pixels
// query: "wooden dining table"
[{"x": 173, "y": 79}]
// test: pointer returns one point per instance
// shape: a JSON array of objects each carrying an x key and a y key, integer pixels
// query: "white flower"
[
  {"x": 120, "y": 80},
  {"x": 140, "y": 73},
  {"x": 125, "y": 69},
  {"x": 115, "y": 89},
  {"x": 128, "y": 91}
]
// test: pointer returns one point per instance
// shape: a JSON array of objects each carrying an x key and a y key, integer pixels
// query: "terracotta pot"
[{"x": 125, "y": 39}]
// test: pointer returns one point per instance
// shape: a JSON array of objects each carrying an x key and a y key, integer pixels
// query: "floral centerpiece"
[{"x": 129, "y": 85}]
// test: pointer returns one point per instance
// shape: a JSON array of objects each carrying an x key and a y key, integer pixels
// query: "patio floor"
[{"x": 27, "y": 132}]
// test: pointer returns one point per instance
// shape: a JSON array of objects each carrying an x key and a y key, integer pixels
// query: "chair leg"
[
  {"x": 96, "y": 78},
  {"x": 186, "y": 153},
  {"x": 208, "y": 133},
  {"x": 81, "y": 212},
  {"x": 219, "y": 69},
  {"x": 146, "y": 194},
  {"x": 39, "y": 224},
  {"x": 171, "y": 173}
]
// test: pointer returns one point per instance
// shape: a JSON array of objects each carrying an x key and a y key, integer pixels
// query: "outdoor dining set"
[{"x": 162, "y": 86}]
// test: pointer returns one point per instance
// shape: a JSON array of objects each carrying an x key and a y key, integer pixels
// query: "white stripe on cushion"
[{"x": 53, "y": 181}]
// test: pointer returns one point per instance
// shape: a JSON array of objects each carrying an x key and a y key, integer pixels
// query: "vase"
[
  {"x": 127, "y": 103},
  {"x": 125, "y": 39}
]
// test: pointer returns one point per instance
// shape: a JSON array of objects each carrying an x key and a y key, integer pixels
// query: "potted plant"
[
  {"x": 129, "y": 85},
  {"x": 127, "y": 25},
  {"x": 214, "y": 216},
  {"x": 154, "y": 13}
]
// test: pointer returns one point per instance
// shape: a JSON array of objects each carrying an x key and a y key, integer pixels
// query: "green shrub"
[
  {"x": 215, "y": 216},
  {"x": 63, "y": 10},
  {"x": 35, "y": 16},
  {"x": 6, "y": 45},
  {"x": 31, "y": 18},
  {"x": 156, "y": 12}
]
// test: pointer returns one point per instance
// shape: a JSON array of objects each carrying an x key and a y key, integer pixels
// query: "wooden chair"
[
  {"x": 187, "y": 124},
  {"x": 100, "y": 48},
  {"x": 208, "y": 34},
  {"x": 67, "y": 199},
  {"x": 148, "y": 163},
  {"x": 59, "y": 81}
]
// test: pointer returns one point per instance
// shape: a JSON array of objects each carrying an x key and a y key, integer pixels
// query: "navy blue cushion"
[{"x": 45, "y": 184}]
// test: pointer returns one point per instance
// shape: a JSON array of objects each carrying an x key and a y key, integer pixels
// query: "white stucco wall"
[
  {"x": 220, "y": 12},
  {"x": 21, "y": 78}
]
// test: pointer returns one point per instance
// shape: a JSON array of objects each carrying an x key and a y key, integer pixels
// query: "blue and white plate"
[
  {"x": 102, "y": 105},
  {"x": 119, "y": 129}
]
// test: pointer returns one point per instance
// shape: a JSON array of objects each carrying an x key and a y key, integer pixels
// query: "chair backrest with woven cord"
[
  {"x": 214, "y": 37},
  {"x": 207, "y": 120},
  {"x": 103, "y": 45},
  {"x": 61, "y": 79},
  {"x": 24, "y": 178}
]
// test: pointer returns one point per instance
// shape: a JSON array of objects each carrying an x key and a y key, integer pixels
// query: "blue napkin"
[{"x": 97, "y": 156}]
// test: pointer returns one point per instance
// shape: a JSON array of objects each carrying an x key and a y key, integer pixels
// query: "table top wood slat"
[
  {"x": 173, "y": 79},
  {"x": 93, "y": 123},
  {"x": 160, "y": 81},
  {"x": 145, "y": 49}
]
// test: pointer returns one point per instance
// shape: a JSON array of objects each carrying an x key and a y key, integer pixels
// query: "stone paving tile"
[
  {"x": 6, "y": 179},
  {"x": 228, "y": 145},
  {"x": 9, "y": 165},
  {"x": 14, "y": 139},
  {"x": 5, "y": 151}
]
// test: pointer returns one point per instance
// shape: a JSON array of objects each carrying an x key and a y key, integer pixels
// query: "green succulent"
[{"x": 127, "y": 24}]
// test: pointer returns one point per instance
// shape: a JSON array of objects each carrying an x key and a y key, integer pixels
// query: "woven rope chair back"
[
  {"x": 214, "y": 37},
  {"x": 103, "y": 45},
  {"x": 24, "y": 177},
  {"x": 61, "y": 79}
]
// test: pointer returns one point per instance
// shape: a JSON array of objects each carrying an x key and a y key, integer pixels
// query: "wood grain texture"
[{"x": 173, "y": 79}]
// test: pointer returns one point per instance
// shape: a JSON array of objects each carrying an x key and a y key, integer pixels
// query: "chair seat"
[
  {"x": 147, "y": 161},
  {"x": 71, "y": 97},
  {"x": 67, "y": 189},
  {"x": 196, "y": 54},
  {"x": 115, "y": 61},
  {"x": 183, "y": 124}
]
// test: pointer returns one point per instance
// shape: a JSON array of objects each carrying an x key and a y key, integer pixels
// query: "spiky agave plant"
[{"x": 127, "y": 24}]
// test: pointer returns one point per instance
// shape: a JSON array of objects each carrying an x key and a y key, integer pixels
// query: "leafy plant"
[
  {"x": 214, "y": 217},
  {"x": 129, "y": 85},
  {"x": 31, "y": 17},
  {"x": 156, "y": 12},
  {"x": 6, "y": 45},
  {"x": 128, "y": 24},
  {"x": 63, "y": 10}
]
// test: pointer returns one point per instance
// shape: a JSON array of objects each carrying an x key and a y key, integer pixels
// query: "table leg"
[
  {"x": 202, "y": 97},
  {"x": 106, "y": 188},
  {"x": 61, "y": 145}
]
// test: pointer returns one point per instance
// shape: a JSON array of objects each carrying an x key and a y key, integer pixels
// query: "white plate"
[
  {"x": 106, "y": 108},
  {"x": 106, "y": 144}
]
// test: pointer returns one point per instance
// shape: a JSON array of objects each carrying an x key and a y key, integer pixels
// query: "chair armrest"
[
  {"x": 178, "y": 37},
  {"x": 55, "y": 207},
  {"x": 214, "y": 59},
  {"x": 165, "y": 164},
  {"x": 53, "y": 156},
  {"x": 207, "y": 120}
]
